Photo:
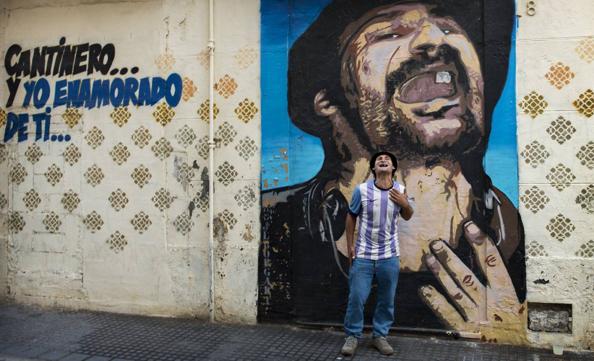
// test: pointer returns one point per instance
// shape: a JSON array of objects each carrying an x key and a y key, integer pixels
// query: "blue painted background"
[{"x": 286, "y": 147}]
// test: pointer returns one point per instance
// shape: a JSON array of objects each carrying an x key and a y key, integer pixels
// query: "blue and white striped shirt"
[{"x": 378, "y": 221}]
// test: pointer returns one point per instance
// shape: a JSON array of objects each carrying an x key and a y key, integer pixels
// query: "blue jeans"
[{"x": 360, "y": 278}]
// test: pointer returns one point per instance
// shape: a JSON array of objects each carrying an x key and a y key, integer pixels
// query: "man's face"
[
  {"x": 383, "y": 165},
  {"x": 415, "y": 74}
]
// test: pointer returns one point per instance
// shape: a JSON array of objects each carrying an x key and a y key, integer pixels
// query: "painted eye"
[{"x": 446, "y": 31}]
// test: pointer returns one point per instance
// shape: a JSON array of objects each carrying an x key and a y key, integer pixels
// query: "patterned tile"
[
  {"x": 52, "y": 222},
  {"x": 533, "y": 104},
  {"x": 534, "y": 154},
  {"x": 226, "y": 86},
  {"x": 31, "y": 200},
  {"x": 228, "y": 217},
  {"x": 71, "y": 154},
  {"x": 53, "y": 174},
  {"x": 119, "y": 153},
  {"x": 17, "y": 174},
  {"x": 183, "y": 223},
  {"x": 225, "y": 134},
  {"x": 204, "y": 58},
  {"x": 184, "y": 173},
  {"x": 70, "y": 201},
  {"x": 33, "y": 153},
  {"x": 203, "y": 111},
  {"x": 586, "y": 250},
  {"x": 586, "y": 155},
  {"x": 163, "y": 114},
  {"x": 246, "y": 110},
  {"x": 3, "y": 153},
  {"x": 585, "y": 103},
  {"x": 246, "y": 148},
  {"x": 165, "y": 62},
  {"x": 561, "y": 130},
  {"x": 141, "y": 176},
  {"x": 185, "y": 136},
  {"x": 94, "y": 137},
  {"x": 226, "y": 173},
  {"x": 585, "y": 50},
  {"x": 16, "y": 222},
  {"x": 560, "y": 227},
  {"x": 245, "y": 57},
  {"x": 3, "y": 116},
  {"x": 201, "y": 200},
  {"x": 586, "y": 199},
  {"x": 559, "y": 75},
  {"x": 534, "y": 249},
  {"x": 162, "y": 199},
  {"x": 3, "y": 201},
  {"x": 245, "y": 198},
  {"x": 71, "y": 117},
  {"x": 162, "y": 148},
  {"x": 118, "y": 200},
  {"x": 560, "y": 177},
  {"x": 117, "y": 242},
  {"x": 141, "y": 222},
  {"x": 188, "y": 89},
  {"x": 141, "y": 137},
  {"x": 120, "y": 116},
  {"x": 94, "y": 175},
  {"x": 93, "y": 222},
  {"x": 202, "y": 147},
  {"x": 534, "y": 199}
]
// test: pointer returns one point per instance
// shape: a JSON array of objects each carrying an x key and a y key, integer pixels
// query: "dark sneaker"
[
  {"x": 382, "y": 345},
  {"x": 349, "y": 347}
]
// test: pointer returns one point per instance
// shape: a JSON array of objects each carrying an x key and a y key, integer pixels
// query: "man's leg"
[
  {"x": 386, "y": 274},
  {"x": 360, "y": 277}
]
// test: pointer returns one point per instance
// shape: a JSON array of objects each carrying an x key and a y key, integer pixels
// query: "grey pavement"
[{"x": 28, "y": 333}]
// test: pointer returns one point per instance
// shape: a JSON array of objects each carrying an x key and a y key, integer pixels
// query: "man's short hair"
[
  {"x": 315, "y": 62},
  {"x": 374, "y": 158}
]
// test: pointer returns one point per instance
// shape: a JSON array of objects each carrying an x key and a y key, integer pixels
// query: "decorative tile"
[
  {"x": 246, "y": 110},
  {"x": 94, "y": 175},
  {"x": 226, "y": 86},
  {"x": 3, "y": 153},
  {"x": 162, "y": 148},
  {"x": 204, "y": 58},
  {"x": 560, "y": 227},
  {"x": 71, "y": 154},
  {"x": 586, "y": 199},
  {"x": 586, "y": 250},
  {"x": 141, "y": 222},
  {"x": 246, "y": 148},
  {"x": 585, "y": 49},
  {"x": 163, "y": 114},
  {"x": 17, "y": 174},
  {"x": 534, "y": 249},
  {"x": 245, "y": 198},
  {"x": 3, "y": 116},
  {"x": 226, "y": 173},
  {"x": 183, "y": 223},
  {"x": 203, "y": 111},
  {"x": 71, "y": 117},
  {"x": 117, "y": 242},
  {"x": 3, "y": 201},
  {"x": 94, "y": 137},
  {"x": 31, "y": 200},
  {"x": 119, "y": 153},
  {"x": 585, "y": 103},
  {"x": 534, "y": 199},
  {"x": 202, "y": 147},
  {"x": 141, "y": 176},
  {"x": 52, "y": 222},
  {"x": 188, "y": 89},
  {"x": 534, "y": 154},
  {"x": 165, "y": 62},
  {"x": 15, "y": 222},
  {"x": 93, "y": 222},
  {"x": 201, "y": 199},
  {"x": 184, "y": 173},
  {"x": 120, "y": 116},
  {"x": 228, "y": 218},
  {"x": 70, "y": 201},
  {"x": 225, "y": 134},
  {"x": 162, "y": 199},
  {"x": 245, "y": 57},
  {"x": 185, "y": 136},
  {"x": 141, "y": 137},
  {"x": 559, "y": 75},
  {"x": 33, "y": 153},
  {"x": 560, "y": 177},
  {"x": 118, "y": 200},
  {"x": 586, "y": 155},
  {"x": 533, "y": 104},
  {"x": 53, "y": 174},
  {"x": 561, "y": 130}
]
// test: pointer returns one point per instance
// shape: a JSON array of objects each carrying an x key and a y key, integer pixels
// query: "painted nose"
[{"x": 427, "y": 39}]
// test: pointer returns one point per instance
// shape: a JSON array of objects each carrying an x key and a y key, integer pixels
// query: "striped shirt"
[{"x": 378, "y": 221}]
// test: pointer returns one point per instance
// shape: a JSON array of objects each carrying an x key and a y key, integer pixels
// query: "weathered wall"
[
  {"x": 556, "y": 133},
  {"x": 112, "y": 215}
]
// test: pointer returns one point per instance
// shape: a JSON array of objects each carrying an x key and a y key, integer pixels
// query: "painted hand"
[{"x": 492, "y": 309}]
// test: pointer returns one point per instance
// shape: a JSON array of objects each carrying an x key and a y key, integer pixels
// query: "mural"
[{"x": 421, "y": 80}]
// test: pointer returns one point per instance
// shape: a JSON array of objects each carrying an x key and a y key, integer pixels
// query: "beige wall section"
[
  {"x": 555, "y": 65},
  {"x": 164, "y": 269}
]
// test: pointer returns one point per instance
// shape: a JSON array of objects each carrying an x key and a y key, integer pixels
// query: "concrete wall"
[{"x": 116, "y": 217}]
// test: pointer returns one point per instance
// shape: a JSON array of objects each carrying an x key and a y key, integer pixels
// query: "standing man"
[{"x": 378, "y": 202}]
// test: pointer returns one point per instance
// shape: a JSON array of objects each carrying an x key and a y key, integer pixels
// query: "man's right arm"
[{"x": 350, "y": 231}]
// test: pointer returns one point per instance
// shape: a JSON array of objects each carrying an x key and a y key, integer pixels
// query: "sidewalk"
[{"x": 29, "y": 333}]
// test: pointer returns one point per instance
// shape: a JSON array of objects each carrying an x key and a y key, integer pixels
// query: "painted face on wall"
[{"x": 412, "y": 73}]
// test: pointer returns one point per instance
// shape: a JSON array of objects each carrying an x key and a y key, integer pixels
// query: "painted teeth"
[{"x": 443, "y": 77}]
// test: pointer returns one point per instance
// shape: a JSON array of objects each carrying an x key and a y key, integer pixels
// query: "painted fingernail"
[
  {"x": 472, "y": 231},
  {"x": 425, "y": 291},
  {"x": 432, "y": 263},
  {"x": 437, "y": 245}
]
